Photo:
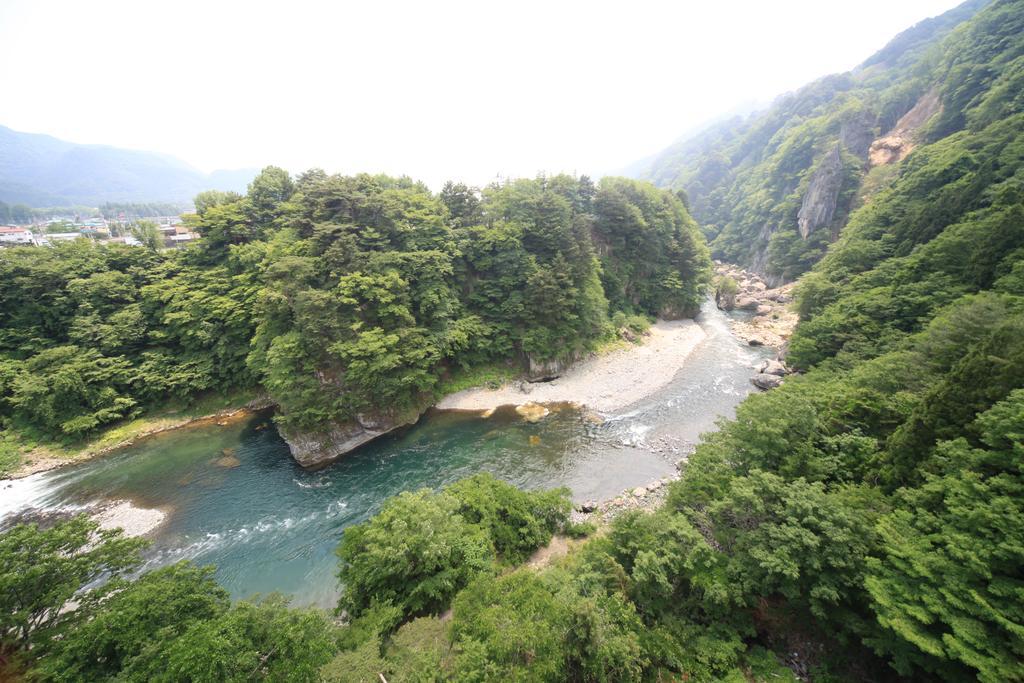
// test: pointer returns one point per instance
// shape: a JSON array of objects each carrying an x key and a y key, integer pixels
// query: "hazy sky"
[{"x": 436, "y": 90}]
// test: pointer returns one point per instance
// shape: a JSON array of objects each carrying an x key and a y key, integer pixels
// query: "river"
[{"x": 236, "y": 499}]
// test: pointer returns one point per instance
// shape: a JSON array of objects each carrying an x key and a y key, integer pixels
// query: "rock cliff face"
[
  {"x": 549, "y": 369},
  {"x": 857, "y": 133},
  {"x": 819, "y": 203},
  {"x": 895, "y": 145},
  {"x": 314, "y": 449}
]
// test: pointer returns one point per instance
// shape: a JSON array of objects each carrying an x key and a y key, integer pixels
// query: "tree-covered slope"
[
  {"x": 39, "y": 170},
  {"x": 342, "y": 296},
  {"x": 772, "y": 190}
]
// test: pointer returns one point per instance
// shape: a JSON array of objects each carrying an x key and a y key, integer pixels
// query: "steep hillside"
[
  {"x": 40, "y": 170},
  {"x": 774, "y": 189}
]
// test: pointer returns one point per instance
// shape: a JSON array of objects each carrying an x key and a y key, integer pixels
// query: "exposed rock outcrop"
[
  {"x": 857, "y": 132},
  {"x": 820, "y": 200},
  {"x": 747, "y": 303},
  {"x": 314, "y": 449},
  {"x": 895, "y": 145},
  {"x": 549, "y": 369}
]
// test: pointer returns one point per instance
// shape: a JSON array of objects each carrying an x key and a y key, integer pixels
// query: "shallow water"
[{"x": 236, "y": 499}]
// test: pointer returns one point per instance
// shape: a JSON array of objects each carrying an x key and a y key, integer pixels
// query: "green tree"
[
  {"x": 42, "y": 570},
  {"x": 209, "y": 199},
  {"x": 148, "y": 233},
  {"x": 416, "y": 554},
  {"x": 71, "y": 391},
  {"x": 263, "y": 640},
  {"x": 267, "y": 192},
  {"x": 946, "y": 586},
  {"x": 517, "y": 522},
  {"x": 125, "y": 621}
]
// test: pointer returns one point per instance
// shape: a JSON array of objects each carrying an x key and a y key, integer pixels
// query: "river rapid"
[{"x": 235, "y": 498}]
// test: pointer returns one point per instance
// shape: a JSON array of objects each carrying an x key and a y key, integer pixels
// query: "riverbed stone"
[
  {"x": 765, "y": 381},
  {"x": 747, "y": 303},
  {"x": 532, "y": 412},
  {"x": 227, "y": 461},
  {"x": 773, "y": 367}
]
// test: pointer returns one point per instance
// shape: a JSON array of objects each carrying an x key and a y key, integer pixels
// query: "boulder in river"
[
  {"x": 747, "y": 303},
  {"x": 532, "y": 412},
  {"x": 316, "y": 448},
  {"x": 227, "y": 461},
  {"x": 773, "y": 367},
  {"x": 765, "y": 381}
]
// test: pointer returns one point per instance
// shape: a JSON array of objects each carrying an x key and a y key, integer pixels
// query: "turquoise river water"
[{"x": 268, "y": 525}]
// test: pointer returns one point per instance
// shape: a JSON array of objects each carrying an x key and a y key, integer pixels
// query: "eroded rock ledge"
[{"x": 315, "y": 449}]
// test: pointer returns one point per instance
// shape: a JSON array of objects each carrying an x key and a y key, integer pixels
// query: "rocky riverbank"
[
  {"x": 647, "y": 497},
  {"x": 772, "y": 320}
]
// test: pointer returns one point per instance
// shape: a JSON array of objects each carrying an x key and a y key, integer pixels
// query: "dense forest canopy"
[{"x": 337, "y": 294}]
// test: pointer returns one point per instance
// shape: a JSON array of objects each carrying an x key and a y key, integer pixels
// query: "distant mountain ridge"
[
  {"x": 773, "y": 189},
  {"x": 40, "y": 170}
]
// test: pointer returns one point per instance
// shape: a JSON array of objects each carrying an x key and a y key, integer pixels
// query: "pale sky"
[{"x": 435, "y": 90}]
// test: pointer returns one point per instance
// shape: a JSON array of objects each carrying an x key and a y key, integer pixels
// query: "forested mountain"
[
  {"x": 772, "y": 190},
  {"x": 39, "y": 170}
]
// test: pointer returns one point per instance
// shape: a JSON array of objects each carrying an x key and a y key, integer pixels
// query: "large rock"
[
  {"x": 856, "y": 133},
  {"x": 773, "y": 367},
  {"x": 726, "y": 301},
  {"x": 777, "y": 296},
  {"x": 314, "y": 449},
  {"x": 747, "y": 303},
  {"x": 532, "y": 412},
  {"x": 822, "y": 195},
  {"x": 549, "y": 369},
  {"x": 765, "y": 381}
]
